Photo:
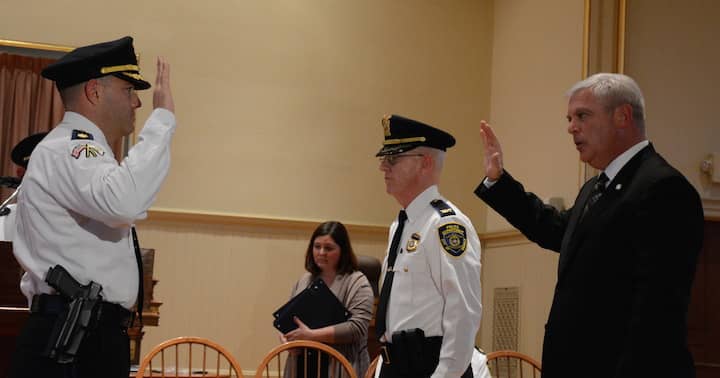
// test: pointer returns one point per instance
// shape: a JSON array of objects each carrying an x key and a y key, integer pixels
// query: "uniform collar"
[
  {"x": 616, "y": 165},
  {"x": 421, "y": 202},
  {"x": 72, "y": 120}
]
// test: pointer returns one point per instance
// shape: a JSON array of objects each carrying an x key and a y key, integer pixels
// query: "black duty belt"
[
  {"x": 411, "y": 354},
  {"x": 109, "y": 314},
  {"x": 414, "y": 352}
]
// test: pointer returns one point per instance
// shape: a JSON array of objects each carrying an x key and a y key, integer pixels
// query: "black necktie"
[
  {"x": 141, "y": 289},
  {"x": 381, "y": 317},
  {"x": 596, "y": 193}
]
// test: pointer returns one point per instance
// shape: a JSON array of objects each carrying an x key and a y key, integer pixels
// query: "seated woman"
[{"x": 330, "y": 257}]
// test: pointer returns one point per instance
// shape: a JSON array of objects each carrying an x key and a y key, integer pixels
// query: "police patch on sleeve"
[
  {"x": 79, "y": 134},
  {"x": 453, "y": 238},
  {"x": 87, "y": 150}
]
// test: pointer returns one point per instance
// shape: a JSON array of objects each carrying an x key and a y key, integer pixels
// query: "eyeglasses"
[{"x": 393, "y": 159}]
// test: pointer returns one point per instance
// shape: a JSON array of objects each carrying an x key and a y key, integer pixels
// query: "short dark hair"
[{"x": 338, "y": 232}]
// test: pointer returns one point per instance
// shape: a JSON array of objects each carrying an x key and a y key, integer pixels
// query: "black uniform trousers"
[
  {"x": 105, "y": 352},
  {"x": 387, "y": 371}
]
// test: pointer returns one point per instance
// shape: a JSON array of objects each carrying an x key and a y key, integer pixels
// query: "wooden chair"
[
  {"x": 273, "y": 365},
  {"x": 185, "y": 357},
  {"x": 370, "y": 373},
  {"x": 511, "y": 364}
]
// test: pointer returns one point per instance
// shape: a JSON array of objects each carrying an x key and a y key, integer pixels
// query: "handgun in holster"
[{"x": 78, "y": 320}]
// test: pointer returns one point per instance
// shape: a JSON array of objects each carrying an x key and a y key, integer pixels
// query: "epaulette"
[
  {"x": 79, "y": 134},
  {"x": 442, "y": 207}
]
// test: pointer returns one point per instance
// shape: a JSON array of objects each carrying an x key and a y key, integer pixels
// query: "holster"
[
  {"x": 77, "y": 308},
  {"x": 411, "y": 353}
]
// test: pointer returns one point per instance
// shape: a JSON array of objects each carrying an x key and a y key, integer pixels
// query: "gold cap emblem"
[{"x": 386, "y": 125}]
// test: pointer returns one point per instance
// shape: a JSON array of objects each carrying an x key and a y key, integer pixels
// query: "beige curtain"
[{"x": 29, "y": 104}]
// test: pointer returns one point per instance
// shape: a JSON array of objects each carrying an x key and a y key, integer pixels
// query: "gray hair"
[
  {"x": 615, "y": 90},
  {"x": 437, "y": 155}
]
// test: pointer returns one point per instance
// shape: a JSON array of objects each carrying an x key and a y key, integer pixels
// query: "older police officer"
[
  {"x": 429, "y": 309},
  {"x": 77, "y": 205}
]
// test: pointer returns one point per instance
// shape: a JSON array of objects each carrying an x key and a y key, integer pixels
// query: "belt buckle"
[{"x": 386, "y": 354}]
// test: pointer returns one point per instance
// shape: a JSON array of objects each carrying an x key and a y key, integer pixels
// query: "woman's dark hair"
[{"x": 338, "y": 232}]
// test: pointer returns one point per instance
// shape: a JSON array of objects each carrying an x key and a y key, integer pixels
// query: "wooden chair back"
[
  {"x": 275, "y": 364},
  {"x": 511, "y": 364},
  {"x": 186, "y": 357},
  {"x": 370, "y": 373}
]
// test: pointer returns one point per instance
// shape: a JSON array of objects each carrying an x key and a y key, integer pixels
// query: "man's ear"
[
  {"x": 623, "y": 115},
  {"x": 92, "y": 91},
  {"x": 428, "y": 162}
]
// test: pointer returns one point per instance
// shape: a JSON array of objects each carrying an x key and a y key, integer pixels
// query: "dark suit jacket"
[{"x": 625, "y": 271}]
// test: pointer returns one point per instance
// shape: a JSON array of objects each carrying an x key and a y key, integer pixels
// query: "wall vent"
[{"x": 506, "y": 309}]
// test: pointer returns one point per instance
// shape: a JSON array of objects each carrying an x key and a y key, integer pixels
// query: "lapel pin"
[{"x": 618, "y": 186}]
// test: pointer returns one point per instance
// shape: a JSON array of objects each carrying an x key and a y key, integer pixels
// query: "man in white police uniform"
[
  {"x": 77, "y": 206},
  {"x": 429, "y": 309}
]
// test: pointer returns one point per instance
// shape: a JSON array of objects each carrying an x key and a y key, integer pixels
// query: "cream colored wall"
[
  {"x": 531, "y": 269},
  {"x": 537, "y": 56},
  {"x": 279, "y": 106},
  {"x": 279, "y": 102},
  {"x": 678, "y": 72}
]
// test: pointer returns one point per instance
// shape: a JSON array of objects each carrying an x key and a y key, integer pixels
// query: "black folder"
[{"x": 316, "y": 306}]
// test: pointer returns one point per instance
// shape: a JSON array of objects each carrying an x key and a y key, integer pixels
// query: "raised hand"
[
  {"x": 162, "y": 95},
  {"x": 493, "y": 152}
]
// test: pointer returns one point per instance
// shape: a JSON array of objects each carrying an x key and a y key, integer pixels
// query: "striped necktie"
[{"x": 596, "y": 193}]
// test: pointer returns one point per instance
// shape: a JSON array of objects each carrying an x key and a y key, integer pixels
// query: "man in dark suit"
[{"x": 628, "y": 246}]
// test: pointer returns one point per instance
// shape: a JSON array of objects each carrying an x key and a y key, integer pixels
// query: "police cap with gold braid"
[
  {"x": 115, "y": 58},
  {"x": 403, "y": 134}
]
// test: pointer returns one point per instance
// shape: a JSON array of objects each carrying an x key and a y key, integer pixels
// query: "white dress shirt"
[
  {"x": 77, "y": 205},
  {"x": 7, "y": 224}
]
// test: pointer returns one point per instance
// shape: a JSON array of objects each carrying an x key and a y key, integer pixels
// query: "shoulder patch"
[
  {"x": 79, "y": 134},
  {"x": 453, "y": 238},
  {"x": 442, "y": 207},
  {"x": 87, "y": 150}
]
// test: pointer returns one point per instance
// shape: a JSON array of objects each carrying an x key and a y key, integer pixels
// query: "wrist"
[{"x": 494, "y": 177}]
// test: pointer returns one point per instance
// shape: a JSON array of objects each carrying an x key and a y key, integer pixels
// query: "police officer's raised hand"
[
  {"x": 162, "y": 96},
  {"x": 493, "y": 152}
]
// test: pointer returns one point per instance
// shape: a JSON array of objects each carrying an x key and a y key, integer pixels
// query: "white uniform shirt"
[
  {"x": 433, "y": 289},
  {"x": 7, "y": 224},
  {"x": 77, "y": 205}
]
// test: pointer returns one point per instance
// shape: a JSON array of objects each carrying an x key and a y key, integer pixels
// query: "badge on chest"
[{"x": 413, "y": 243}]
